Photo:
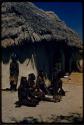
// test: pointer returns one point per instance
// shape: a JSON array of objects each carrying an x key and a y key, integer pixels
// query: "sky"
[{"x": 69, "y": 12}]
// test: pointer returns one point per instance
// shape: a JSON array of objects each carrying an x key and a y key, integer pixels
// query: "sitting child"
[
  {"x": 25, "y": 95},
  {"x": 36, "y": 91},
  {"x": 41, "y": 83}
]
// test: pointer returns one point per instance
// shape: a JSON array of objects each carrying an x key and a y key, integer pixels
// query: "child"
[
  {"x": 25, "y": 95},
  {"x": 41, "y": 83}
]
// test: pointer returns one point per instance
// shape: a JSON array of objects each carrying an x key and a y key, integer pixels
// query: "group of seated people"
[{"x": 31, "y": 92}]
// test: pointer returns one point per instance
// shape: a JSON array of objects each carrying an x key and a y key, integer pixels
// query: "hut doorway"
[
  {"x": 70, "y": 61},
  {"x": 59, "y": 60}
]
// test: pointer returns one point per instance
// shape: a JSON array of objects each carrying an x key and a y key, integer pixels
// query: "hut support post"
[
  {"x": 63, "y": 59},
  {"x": 70, "y": 64}
]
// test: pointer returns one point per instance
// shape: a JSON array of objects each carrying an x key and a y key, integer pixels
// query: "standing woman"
[
  {"x": 14, "y": 73},
  {"x": 55, "y": 84}
]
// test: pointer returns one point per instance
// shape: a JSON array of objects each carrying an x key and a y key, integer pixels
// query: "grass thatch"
[{"x": 23, "y": 21}]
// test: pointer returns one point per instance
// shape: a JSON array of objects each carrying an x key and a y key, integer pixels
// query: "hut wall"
[
  {"x": 34, "y": 57},
  {"x": 78, "y": 59},
  {"x": 62, "y": 59},
  {"x": 47, "y": 55},
  {"x": 25, "y": 59},
  {"x": 68, "y": 59},
  {"x": 28, "y": 66},
  {"x": 72, "y": 56},
  {"x": 59, "y": 57},
  {"x": 31, "y": 58},
  {"x": 43, "y": 58}
]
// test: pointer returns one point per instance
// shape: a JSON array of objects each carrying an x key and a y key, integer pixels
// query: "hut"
[{"x": 40, "y": 39}]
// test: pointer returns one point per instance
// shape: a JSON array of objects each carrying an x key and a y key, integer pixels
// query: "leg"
[
  {"x": 14, "y": 87},
  {"x": 15, "y": 83},
  {"x": 11, "y": 85},
  {"x": 56, "y": 97}
]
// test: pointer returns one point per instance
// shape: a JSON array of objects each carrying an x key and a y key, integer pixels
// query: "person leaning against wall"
[{"x": 14, "y": 73}]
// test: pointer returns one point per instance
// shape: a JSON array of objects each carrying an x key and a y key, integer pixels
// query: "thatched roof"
[{"x": 23, "y": 21}]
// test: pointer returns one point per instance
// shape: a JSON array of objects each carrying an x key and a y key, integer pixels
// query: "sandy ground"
[
  {"x": 74, "y": 78},
  {"x": 69, "y": 109}
]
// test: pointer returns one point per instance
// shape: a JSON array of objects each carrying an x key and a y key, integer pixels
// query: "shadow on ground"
[
  {"x": 28, "y": 120},
  {"x": 72, "y": 118}
]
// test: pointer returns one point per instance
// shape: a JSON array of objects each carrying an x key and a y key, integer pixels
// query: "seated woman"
[
  {"x": 57, "y": 85},
  {"x": 41, "y": 83},
  {"x": 36, "y": 91},
  {"x": 25, "y": 95},
  {"x": 31, "y": 82}
]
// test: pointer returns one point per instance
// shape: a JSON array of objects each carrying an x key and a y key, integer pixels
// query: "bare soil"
[{"x": 68, "y": 110}]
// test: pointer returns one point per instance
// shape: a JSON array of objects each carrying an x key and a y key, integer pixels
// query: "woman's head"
[
  {"x": 31, "y": 76},
  {"x": 41, "y": 74},
  {"x": 23, "y": 81}
]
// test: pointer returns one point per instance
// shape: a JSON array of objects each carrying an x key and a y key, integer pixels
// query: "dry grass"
[{"x": 25, "y": 22}]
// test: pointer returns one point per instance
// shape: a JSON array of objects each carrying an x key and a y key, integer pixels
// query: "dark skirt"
[{"x": 30, "y": 103}]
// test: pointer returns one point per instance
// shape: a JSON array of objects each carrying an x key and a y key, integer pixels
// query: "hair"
[
  {"x": 40, "y": 73},
  {"x": 23, "y": 81},
  {"x": 31, "y": 76}
]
